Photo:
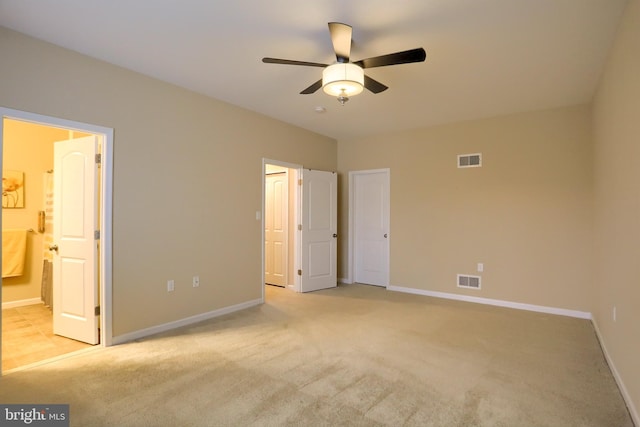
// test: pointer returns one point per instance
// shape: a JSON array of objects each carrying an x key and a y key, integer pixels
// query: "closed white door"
[
  {"x": 319, "y": 230},
  {"x": 75, "y": 251},
  {"x": 371, "y": 227},
  {"x": 275, "y": 229}
]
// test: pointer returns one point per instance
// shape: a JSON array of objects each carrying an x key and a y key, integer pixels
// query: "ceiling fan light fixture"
[{"x": 343, "y": 79}]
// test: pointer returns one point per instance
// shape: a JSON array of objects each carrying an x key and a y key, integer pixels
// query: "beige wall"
[
  {"x": 27, "y": 147},
  {"x": 187, "y": 177},
  {"x": 616, "y": 126},
  {"x": 526, "y": 214}
]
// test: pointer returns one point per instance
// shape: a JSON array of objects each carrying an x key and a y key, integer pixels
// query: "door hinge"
[
  {"x": 97, "y": 311},
  {"x": 98, "y": 158},
  {"x": 300, "y": 181},
  {"x": 96, "y": 235},
  {"x": 299, "y": 227},
  {"x": 299, "y": 272}
]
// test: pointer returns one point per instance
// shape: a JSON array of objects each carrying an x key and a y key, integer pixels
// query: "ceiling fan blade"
[
  {"x": 374, "y": 85},
  {"x": 292, "y": 62},
  {"x": 311, "y": 89},
  {"x": 405, "y": 57},
  {"x": 341, "y": 39}
]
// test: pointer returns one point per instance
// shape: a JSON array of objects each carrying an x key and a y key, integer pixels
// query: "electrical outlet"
[
  {"x": 171, "y": 284},
  {"x": 614, "y": 314},
  {"x": 196, "y": 281},
  {"x": 480, "y": 267}
]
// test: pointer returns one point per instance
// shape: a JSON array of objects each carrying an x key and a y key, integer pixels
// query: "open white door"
[
  {"x": 276, "y": 225},
  {"x": 319, "y": 230},
  {"x": 74, "y": 243},
  {"x": 370, "y": 204}
]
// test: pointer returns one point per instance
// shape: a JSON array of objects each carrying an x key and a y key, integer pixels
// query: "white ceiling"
[{"x": 484, "y": 57}]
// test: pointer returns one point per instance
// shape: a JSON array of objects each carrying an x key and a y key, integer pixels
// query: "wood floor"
[{"x": 27, "y": 337}]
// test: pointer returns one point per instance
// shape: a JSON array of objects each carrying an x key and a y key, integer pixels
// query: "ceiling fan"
[{"x": 344, "y": 78}]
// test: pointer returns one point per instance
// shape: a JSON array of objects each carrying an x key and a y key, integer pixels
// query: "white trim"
[
  {"x": 106, "y": 134},
  {"x": 633, "y": 411},
  {"x": 21, "y": 303},
  {"x": 496, "y": 302},
  {"x": 350, "y": 239},
  {"x": 120, "y": 339},
  {"x": 344, "y": 280}
]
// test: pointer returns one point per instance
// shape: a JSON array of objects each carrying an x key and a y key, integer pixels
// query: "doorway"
[
  {"x": 276, "y": 226},
  {"x": 101, "y": 239},
  {"x": 369, "y": 201},
  {"x": 280, "y": 214},
  {"x": 312, "y": 225}
]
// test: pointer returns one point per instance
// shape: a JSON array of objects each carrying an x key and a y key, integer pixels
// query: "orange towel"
[{"x": 14, "y": 248}]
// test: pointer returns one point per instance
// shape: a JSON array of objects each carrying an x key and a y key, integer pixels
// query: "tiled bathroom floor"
[{"x": 27, "y": 337}]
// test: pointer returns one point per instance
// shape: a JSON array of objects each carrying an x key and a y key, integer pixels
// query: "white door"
[
  {"x": 319, "y": 230},
  {"x": 371, "y": 227},
  {"x": 275, "y": 228},
  {"x": 75, "y": 275}
]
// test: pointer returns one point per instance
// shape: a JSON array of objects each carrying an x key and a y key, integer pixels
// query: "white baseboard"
[
  {"x": 497, "y": 302},
  {"x": 633, "y": 411},
  {"x": 344, "y": 281},
  {"x": 21, "y": 303},
  {"x": 183, "y": 322}
]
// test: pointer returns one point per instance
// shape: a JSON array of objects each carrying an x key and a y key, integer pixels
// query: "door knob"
[
  {"x": 385, "y": 235},
  {"x": 335, "y": 235},
  {"x": 53, "y": 248}
]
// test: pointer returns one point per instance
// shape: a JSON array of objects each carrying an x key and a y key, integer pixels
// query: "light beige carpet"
[{"x": 354, "y": 356}]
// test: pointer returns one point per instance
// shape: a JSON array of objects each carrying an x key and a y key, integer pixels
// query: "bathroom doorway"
[{"x": 30, "y": 336}]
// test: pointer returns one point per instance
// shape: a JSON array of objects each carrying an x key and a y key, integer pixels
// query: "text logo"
[{"x": 34, "y": 415}]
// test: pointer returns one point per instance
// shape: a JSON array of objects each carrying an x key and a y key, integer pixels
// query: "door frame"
[
  {"x": 106, "y": 204},
  {"x": 296, "y": 171},
  {"x": 351, "y": 238}
]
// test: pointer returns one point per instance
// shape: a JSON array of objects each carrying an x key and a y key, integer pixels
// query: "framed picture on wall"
[{"x": 12, "y": 189}]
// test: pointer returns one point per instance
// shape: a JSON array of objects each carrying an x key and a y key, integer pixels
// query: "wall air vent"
[
  {"x": 470, "y": 160},
  {"x": 471, "y": 282}
]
